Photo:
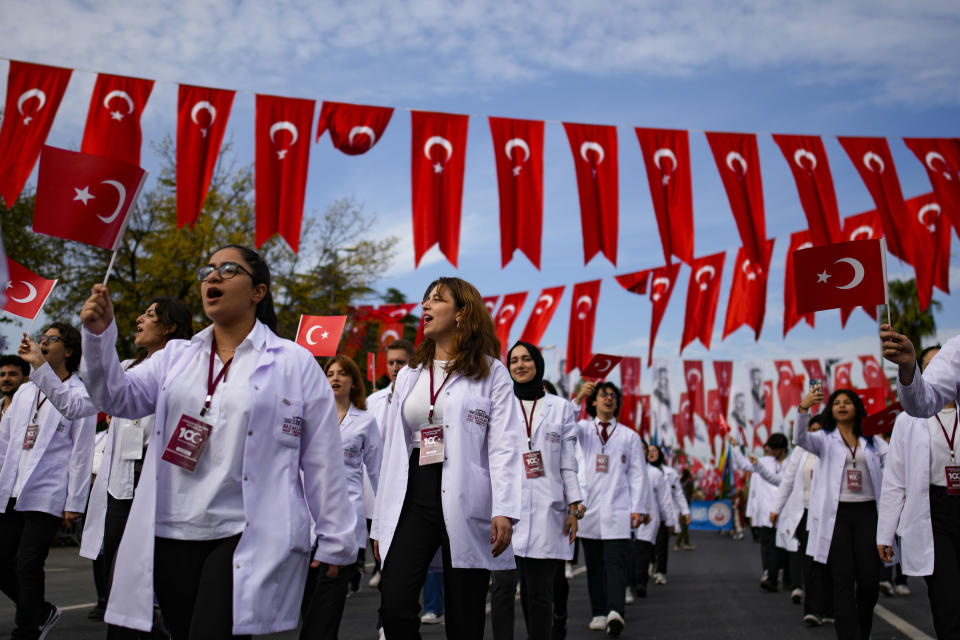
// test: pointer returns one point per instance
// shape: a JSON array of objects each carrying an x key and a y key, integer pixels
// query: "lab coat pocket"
[
  {"x": 288, "y": 422},
  {"x": 479, "y": 493},
  {"x": 299, "y": 522}
]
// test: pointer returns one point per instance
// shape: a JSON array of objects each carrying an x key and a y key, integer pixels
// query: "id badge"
[
  {"x": 30, "y": 436},
  {"x": 131, "y": 442},
  {"x": 953, "y": 480},
  {"x": 603, "y": 463},
  {"x": 533, "y": 464},
  {"x": 854, "y": 480},
  {"x": 431, "y": 444},
  {"x": 187, "y": 443}
]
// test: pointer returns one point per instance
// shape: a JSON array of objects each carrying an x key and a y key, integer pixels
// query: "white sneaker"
[
  {"x": 614, "y": 624},
  {"x": 598, "y": 623},
  {"x": 381, "y": 635},
  {"x": 886, "y": 588},
  {"x": 902, "y": 590},
  {"x": 628, "y": 597},
  {"x": 52, "y": 618},
  {"x": 796, "y": 595},
  {"x": 659, "y": 578},
  {"x": 431, "y": 618},
  {"x": 568, "y": 571},
  {"x": 374, "y": 580}
]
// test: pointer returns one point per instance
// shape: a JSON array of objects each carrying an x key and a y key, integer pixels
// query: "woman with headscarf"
[{"x": 543, "y": 537}]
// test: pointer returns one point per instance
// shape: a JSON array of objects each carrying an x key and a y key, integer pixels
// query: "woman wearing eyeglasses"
[{"x": 219, "y": 527}]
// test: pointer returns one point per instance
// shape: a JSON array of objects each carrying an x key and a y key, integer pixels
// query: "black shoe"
[
  {"x": 640, "y": 592},
  {"x": 97, "y": 612},
  {"x": 50, "y": 618},
  {"x": 559, "y": 631},
  {"x": 767, "y": 585}
]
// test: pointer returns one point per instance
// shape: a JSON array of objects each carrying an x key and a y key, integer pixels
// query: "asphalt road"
[{"x": 712, "y": 592}]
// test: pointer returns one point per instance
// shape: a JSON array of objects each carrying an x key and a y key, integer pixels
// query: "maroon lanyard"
[
  {"x": 529, "y": 421},
  {"x": 211, "y": 381},
  {"x": 40, "y": 403},
  {"x": 950, "y": 440},
  {"x": 853, "y": 451},
  {"x": 435, "y": 394}
]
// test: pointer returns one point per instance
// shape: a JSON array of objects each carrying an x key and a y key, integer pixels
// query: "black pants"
[
  {"x": 642, "y": 555},
  {"x": 776, "y": 556},
  {"x": 817, "y": 583},
  {"x": 662, "y": 548},
  {"x": 561, "y": 593},
  {"x": 606, "y": 574},
  {"x": 25, "y": 539},
  {"x": 537, "y": 576},
  {"x": 193, "y": 582},
  {"x": 115, "y": 521},
  {"x": 942, "y": 584},
  {"x": 323, "y": 601},
  {"x": 855, "y": 568},
  {"x": 420, "y": 532},
  {"x": 502, "y": 603}
]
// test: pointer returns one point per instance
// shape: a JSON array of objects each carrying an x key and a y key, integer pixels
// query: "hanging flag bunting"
[
  {"x": 490, "y": 302},
  {"x": 931, "y": 235},
  {"x": 439, "y": 151},
  {"x": 811, "y": 171},
  {"x": 739, "y": 165},
  {"x": 666, "y": 156},
  {"x": 391, "y": 313},
  {"x": 683, "y": 420},
  {"x": 506, "y": 316},
  {"x": 583, "y": 314},
  {"x": 843, "y": 274},
  {"x": 873, "y": 373},
  {"x": 789, "y": 386},
  {"x": 543, "y": 310},
  {"x": 113, "y": 120},
  {"x": 871, "y": 157},
  {"x": 630, "y": 376},
  {"x": 518, "y": 150},
  {"x": 693, "y": 374},
  {"x": 320, "y": 335},
  {"x": 798, "y": 240},
  {"x": 354, "y": 128},
  {"x": 714, "y": 413},
  {"x": 664, "y": 279},
  {"x": 629, "y": 406},
  {"x": 283, "y": 155},
  {"x": 594, "y": 150},
  {"x": 941, "y": 158},
  {"x": 202, "y": 116},
  {"x": 841, "y": 376},
  {"x": 748, "y": 293},
  {"x": 723, "y": 373},
  {"x": 26, "y": 291},
  {"x": 863, "y": 226},
  {"x": 34, "y": 93},
  {"x": 635, "y": 282},
  {"x": 644, "y": 427},
  {"x": 390, "y": 332},
  {"x": 702, "y": 295}
]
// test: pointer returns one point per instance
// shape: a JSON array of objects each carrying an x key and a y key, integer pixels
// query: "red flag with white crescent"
[
  {"x": 693, "y": 374},
  {"x": 320, "y": 335},
  {"x": 941, "y": 158},
  {"x": 629, "y": 405},
  {"x": 661, "y": 288},
  {"x": 354, "y": 128},
  {"x": 714, "y": 416},
  {"x": 85, "y": 198},
  {"x": 931, "y": 235},
  {"x": 113, "y": 120},
  {"x": 283, "y": 156},
  {"x": 34, "y": 93},
  {"x": 811, "y": 171},
  {"x": 723, "y": 372},
  {"x": 583, "y": 315},
  {"x": 862, "y": 226},
  {"x": 518, "y": 150},
  {"x": 26, "y": 291},
  {"x": 630, "y": 375},
  {"x": 635, "y": 282},
  {"x": 391, "y": 313},
  {"x": 703, "y": 292},
  {"x": 738, "y": 162},
  {"x": 439, "y": 151},
  {"x": 490, "y": 302},
  {"x": 841, "y": 376},
  {"x": 600, "y": 366},
  {"x": 748, "y": 293},
  {"x": 840, "y": 275},
  {"x": 542, "y": 314},
  {"x": 506, "y": 316},
  {"x": 683, "y": 420},
  {"x": 873, "y": 400},
  {"x": 202, "y": 116},
  {"x": 594, "y": 150},
  {"x": 644, "y": 428},
  {"x": 873, "y": 376},
  {"x": 666, "y": 156},
  {"x": 798, "y": 240},
  {"x": 390, "y": 332},
  {"x": 789, "y": 386},
  {"x": 882, "y": 421}
]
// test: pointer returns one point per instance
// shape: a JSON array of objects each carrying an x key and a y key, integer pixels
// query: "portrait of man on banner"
[
  {"x": 757, "y": 398},
  {"x": 661, "y": 408}
]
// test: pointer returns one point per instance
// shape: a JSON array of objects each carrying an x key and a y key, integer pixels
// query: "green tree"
[{"x": 906, "y": 315}]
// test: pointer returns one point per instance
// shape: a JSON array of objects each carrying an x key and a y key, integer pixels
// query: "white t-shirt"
[
  {"x": 939, "y": 449},
  {"x": 866, "y": 492},
  {"x": 416, "y": 408}
]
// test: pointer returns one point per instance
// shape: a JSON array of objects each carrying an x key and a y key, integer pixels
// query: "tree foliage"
[{"x": 907, "y": 316}]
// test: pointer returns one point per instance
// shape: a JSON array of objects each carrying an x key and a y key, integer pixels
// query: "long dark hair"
[
  {"x": 830, "y": 423},
  {"x": 358, "y": 396},
  {"x": 172, "y": 313},
  {"x": 260, "y": 273}
]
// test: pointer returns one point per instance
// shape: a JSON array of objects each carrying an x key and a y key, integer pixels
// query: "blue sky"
[{"x": 829, "y": 68}]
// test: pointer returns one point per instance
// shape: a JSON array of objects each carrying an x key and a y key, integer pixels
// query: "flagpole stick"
[
  {"x": 113, "y": 258},
  {"x": 886, "y": 286}
]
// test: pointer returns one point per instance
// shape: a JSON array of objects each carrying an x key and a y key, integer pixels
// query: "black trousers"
[
  {"x": 537, "y": 576},
  {"x": 942, "y": 583},
  {"x": 606, "y": 574},
  {"x": 641, "y": 556},
  {"x": 662, "y": 548},
  {"x": 323, "y": 601},
  {"x": 193, "y": 582},
  {"x": 817, "y": 583},
  {"x": 561, "y": 593},
  {"x": 502, "y": 603},
  {"x": 776, "y": 556},
  {"x": 855, "y": 568},
  {"x": 420, "y": 532},
  {"x": 115, "y": 521},
  {"x": 25, "y": 539}
]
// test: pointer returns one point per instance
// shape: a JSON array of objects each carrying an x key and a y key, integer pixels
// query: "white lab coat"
[
  {"x": 57, "y": 477},
  {"x": 271, "y": 559},
  {"x": 545, "y": 500},
  {"x": 665, "y": 508},
  {"x": 904, "y": 506},
  {"x": 788, "y": 500},
  {"x": 482, "y": 469},
  {"x": 362, "y": 448},
  {"x": 937, "y": 386},
  {"x": 611, "y": 497},
  {"x": 377, "y": 405},
  {"x": 825, "y": 492},
  {"x": 767, "y": 474},
  {"x": 672, "y": 478}
]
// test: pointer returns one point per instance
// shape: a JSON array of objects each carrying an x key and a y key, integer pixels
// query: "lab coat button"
[
  {"x": 249, "y": 433},
  {"x": 245, "y": 478}
]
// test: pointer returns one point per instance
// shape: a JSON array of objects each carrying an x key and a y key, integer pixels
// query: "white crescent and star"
[
  {"x": 203, "y": 105},
  {"x": 387, "y": 334},
  {"x": 31, "y": 292},
  {"x": 589, "y": 301},
  {"x": 786, "y": 372},
  {"x": 745, "y": 267},
  {"x": 605, "y": 366},
  {"x": 656, "y": 295},
  {"x": 284, "y": 125},
  {"x": 591, "y": 146},
  {"x": 362, "y": 130},
  {"x": 117, "y": 93},
  {"x": 870, "y": 157},
  {"x": 443, "y": 142},
  {"x": 694, "y": 373},
  {"x": 707, "y": 268},
  {"x": 857, "y": 273},
  {"x": 309, "y": 336},
  {"x": 549, "y": 300},
  {"x": 930, "y": 206},
  {"x": 121, "y": 198},
  {"x": 800, "y": 154},
  {"x": 870, "y": 364},
  {"x": 734, "y": 156},
  {"x": 936, "y": 155},
  {"x": 26, "y": 95},
  {"x": 503, "y": 316},
  {"x": 862, "y": 229}
]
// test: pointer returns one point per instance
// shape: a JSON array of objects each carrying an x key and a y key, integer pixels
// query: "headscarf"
[{"x": 533, "y": 389}]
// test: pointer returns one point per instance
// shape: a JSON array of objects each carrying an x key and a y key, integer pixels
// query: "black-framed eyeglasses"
[
  {"x": 607, "y": 394},
  {"x": 226, "y": 270},
  {"x": 43, "y": 339}
]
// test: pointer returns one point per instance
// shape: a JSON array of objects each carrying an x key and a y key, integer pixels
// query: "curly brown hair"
[
  {"x": 475, "y": 339},
  {"x": 358, "y": 390}
]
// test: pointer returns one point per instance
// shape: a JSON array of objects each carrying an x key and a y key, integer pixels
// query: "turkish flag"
[
  {"x": 693, "y": 373},
  {"x": 439, "y": 150},
  {"x": 490, "y": 302},
  {"x": 283, "y": 155},
  {"x": 629, "y": 404},
  {"x": 26, "y": 291},
  {"x": 506, "y": 316},
  {"x": 714, "y": 415},
  {"x": 583, "y": 314},
  {"x": 738, "y": 162},
  {"x": 395, "y": 312},
  {"x": 202, "y": 116},
  {"x": 941, "y": 159},
  {"x": 723, "y": 372},
  {"x": 372, "y": 367},
  {"x": 542, "y": 313},
  {"x": 354, "y": 128},
  {"x": 873, "y": 400},
  {"x": 113, "y": 120},
  {"x": 931, "y": 235},
  {"x": 873, "y": 375},
  {"x": 85, "y": 198},
  {"x": 664, "y": 279},
  {"x": 34, "y": 93},
  {"x": 683, "y": 420},
  {"x": 635, "y": 282},
  {"x": 702, "y": 295},
  {"x": 594, "y": 150},
  {"x": 863, "y": 226},
  {"x": 857, "y": 269},
  {"x": 811, "y": 171},
  {"x": 841, "y": 376},
  {"x": 871, "y": 157},
  {"x": 518, "y": 150},
  {"x": 789, "y": 386},
  {"x": 320, "y": 335},
  {"x": 748, "y": 293},
  {"x": 666, "y": 155},
  {"x": 644, "y": 428},
  {"x": 798, "y": 240},
  {"x": 390, "y": 332},
  {"x": 882, "y": 421},
  {"x": 630, "y": 375},
  {"x": 599, "y": 367}
]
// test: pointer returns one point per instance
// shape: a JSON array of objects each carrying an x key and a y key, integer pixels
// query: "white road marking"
[{"x": 900, "y": 624}]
